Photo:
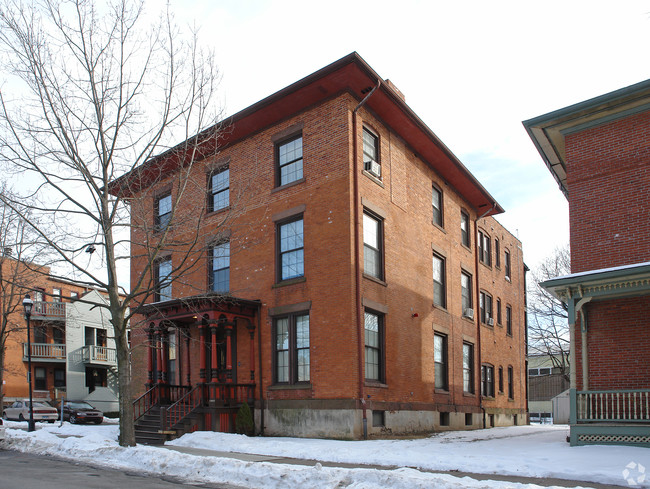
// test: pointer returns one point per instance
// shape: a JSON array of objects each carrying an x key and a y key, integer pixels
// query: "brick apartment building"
[
  {"x": 72, "y": 348},
  {"x": 369, "y": 289},
  {"x": 599, "y": 152}
]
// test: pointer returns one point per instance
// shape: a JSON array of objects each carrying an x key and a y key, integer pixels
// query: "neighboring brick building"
[
  {"x": 361, "y": 303},
  {"x": 599, "y": 152},
  {"x": 73, "y": 352}
]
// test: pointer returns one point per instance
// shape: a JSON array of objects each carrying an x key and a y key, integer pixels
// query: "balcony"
[
  {"x": 99, "y": 355},
  {"x": 46, "y": 352},
  {"x": 610, "y": 417},
  {"x": 53, "y": 311}
]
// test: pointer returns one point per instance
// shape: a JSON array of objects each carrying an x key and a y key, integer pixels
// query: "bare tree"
[
  {"x": 94, "y": 91},
  {"x": 548, "y": 328}
]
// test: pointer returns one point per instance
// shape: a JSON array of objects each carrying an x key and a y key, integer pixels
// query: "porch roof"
[
  {"x": 195, "y": 306},
  {"x": 624, "y": 281}
]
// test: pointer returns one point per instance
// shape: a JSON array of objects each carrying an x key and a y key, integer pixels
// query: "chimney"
[{"x": 396, "y": 90}]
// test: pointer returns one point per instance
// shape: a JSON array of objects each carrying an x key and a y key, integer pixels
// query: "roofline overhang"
[
  {"x": 196, "y": 305},
  {"x": 626, "y": 281},
  {"x": 353, "y": 75},
  {"x": 548, "y": 131}
]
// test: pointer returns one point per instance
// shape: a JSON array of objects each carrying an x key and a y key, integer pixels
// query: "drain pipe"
[
  {"x": 357, "y": 259},
  {"x": 478, "y": 300},
  {"x": 259, "y": 362}
]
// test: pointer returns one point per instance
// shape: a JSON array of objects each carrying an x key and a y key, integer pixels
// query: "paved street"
[{"x": 36, "y": 472}]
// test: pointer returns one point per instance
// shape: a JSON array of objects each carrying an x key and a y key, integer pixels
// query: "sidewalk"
[{"x": 249, "y": 457}]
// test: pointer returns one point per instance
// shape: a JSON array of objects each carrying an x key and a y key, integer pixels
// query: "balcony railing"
[
  {"x": 48, "y": 310},
  {"x": 619, "y": 406},
  {"x": 45, "y": 351},
  {"x": 99, "y": 354}
]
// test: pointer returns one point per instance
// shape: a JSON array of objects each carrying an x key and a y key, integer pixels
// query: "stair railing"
[
  {"x": 175, "y": 413},
  {"x": 143, "y": 404}
]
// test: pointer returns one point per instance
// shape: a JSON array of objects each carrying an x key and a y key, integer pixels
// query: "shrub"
[{"x": 244, "y": 424}]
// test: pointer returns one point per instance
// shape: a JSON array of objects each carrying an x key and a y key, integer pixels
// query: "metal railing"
[
  {"x": 631, "y": 405},
  {"x": 231, "y": 393},
  {"x": 47, "y": 351},
  {"x": 99, "y": 354},
  {"x": 157, "y": 395}
]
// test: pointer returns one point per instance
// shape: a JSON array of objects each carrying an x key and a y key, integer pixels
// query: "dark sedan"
[{"x": 81, "y": 412}]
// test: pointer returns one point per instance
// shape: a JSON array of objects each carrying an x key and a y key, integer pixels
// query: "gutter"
[{"x": 357, "y": 260}]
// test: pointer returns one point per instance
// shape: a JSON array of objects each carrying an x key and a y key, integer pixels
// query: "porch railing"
[
  {"x": 159, "y": 394},
  {"x": 99, "y": 354},
  {"x": 235, "y": 393},
  {"x": 45, "y": 351},
  {"x": 43, "y": 309},
  {"x": 617, "y": 406}
]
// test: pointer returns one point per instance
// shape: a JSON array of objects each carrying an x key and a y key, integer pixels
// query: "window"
[
  {"x": 59, "y": 377},
  {"x": 58, "y": 335},
  {"x": 436, "y": 201},
  {"x": 506, "y": 259},
  {"x": 465, "y": 293},
  {"x": 501, "y": 380},
  {"x": 289, "y": 158},
  {"x": 40, "y": 379},
  {"x": 291, "y": 249},
  {"x": 74, "y": 295},
  {"x": 440, "y": 360},
  {"x": 511, "y": 383},
  {"x": 292, "y": 349},
  {"x": 96, "y": 377},
  {"x": 163, "y": 211},
  {"x": 508, "y": 320},
  {"x": 102, "y": 337},
  {"x": 40, "y": 334},
  {"x": 56, "y": 295},
  {"x": 219, "y": 196},
  {"x": 371, "y": 153},
  {"x": 487, "y": 380},
  {"x": 171, "y": 358},
  {"x": 468, "y": 368},
  {"x": 374, "y": 340},
  {"x": 486, "y": 308},
  {"x": 497, "y": 253},
  {"x": 373, "y": 263},
  {"x": 89, "y": 336},
  {"x": 163, "y": 280},
  {"x": 220, "y": 267},
  {"x": 499, "y": 311},
  {"x": 484, "y": 251},
  {"x": 464, "y": 229},
  {"x": 378, "y": 419},
  {"x": 439, "y": 282}
]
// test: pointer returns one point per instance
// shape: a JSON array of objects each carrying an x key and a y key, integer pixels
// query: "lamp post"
[{"x": 27, "y": 305}]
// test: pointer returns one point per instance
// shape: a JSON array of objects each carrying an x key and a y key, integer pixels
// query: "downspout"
[
  {"x": 357, "y": 260},
  {"x": 259, "y": 362},
  {"x": 478, "y": 301}
]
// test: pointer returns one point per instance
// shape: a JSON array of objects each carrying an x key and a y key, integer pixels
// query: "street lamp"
[{"x": 28, "y": 304}]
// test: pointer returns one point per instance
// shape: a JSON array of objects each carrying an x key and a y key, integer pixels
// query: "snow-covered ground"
[{"x": 530, "y": 451}]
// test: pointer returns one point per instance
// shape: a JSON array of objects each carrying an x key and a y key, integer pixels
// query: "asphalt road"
[{"x": 19, "y": 470}]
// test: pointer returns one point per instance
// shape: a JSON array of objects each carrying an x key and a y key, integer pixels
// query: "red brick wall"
[
  {"x": 608, "y": 176},
  {"x": 618, "y": 344}
]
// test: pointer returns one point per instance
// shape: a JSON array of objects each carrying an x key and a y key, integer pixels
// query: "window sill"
[
  {"x": 375, "y": 279},
  {"x": 291, "y": 281},
  {"x": 289, "y": 387},
  {"x": 374, "y": 383},
  {"x": 440, "y": 308},
  {"x": 468, "y": 248},
  {"x": 373, "y": 178},
  {"x": 443, "y": 392},
  {"x": 218, "y": 211},
  {"x": 469, "y": 394},
  {"x": 468, "y": 319},
  {"x": 435, "y": 224},
  {"x": 485, "y": 264},
  {"x": 288, "y": 185}
]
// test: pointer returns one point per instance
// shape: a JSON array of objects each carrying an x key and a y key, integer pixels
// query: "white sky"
[
  {"x": 529, "y": 451},
  {"x": 471, "y": 70}
]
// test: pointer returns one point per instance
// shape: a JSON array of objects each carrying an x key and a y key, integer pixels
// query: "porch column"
[
  {"x": 202, "y": 372},
  {"x": 188, "y": 356},
  {"x": 214, "y": 371},
  {"x": 150, "y": 348},
  {"x": 229, "y": 378},
  {"x": 585, "y": 353},
  {"x": 251, "y": 330},
  {"x": 164, "y": 346},
  {"x": 157, "y": 342}
]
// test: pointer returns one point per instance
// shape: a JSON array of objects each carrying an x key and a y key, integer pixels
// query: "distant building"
[
  {"x": 72, "y": 346},
  {"x": 599, "y": 153},
  {"x": 545, "y": 381},
  {"x": 369, "y": 289}
]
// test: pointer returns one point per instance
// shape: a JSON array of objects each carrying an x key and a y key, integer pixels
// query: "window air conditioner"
[
  {"x": 490, "y": 322},
  {"x": 468, "y": 313},
  {"x": 372, "y": 167}
]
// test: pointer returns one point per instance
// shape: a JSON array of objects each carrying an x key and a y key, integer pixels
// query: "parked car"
[
  {"x": 19, "y": 410},
  {"x": 81, "y": 412},
  {"x": 2, "y": 431}
]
